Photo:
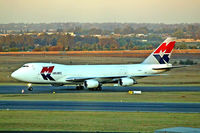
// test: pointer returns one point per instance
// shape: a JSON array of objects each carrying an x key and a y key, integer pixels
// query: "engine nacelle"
[
  {"x": 91, "y": 84},
  {"x": 126, "y": 81}
]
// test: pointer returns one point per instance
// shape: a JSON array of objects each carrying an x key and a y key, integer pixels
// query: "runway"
[
  {"x": 100, "y": 106},
  {"x": 71, "y": 89}
]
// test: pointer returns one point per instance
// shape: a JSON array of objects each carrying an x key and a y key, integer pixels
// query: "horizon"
[
  {"x": 99, "y": 11},
  {"x": 97, "y": 23}
]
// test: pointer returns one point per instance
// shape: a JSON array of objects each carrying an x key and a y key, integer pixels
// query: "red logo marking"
[
  {"x": 164, "y": 47},
  {"x": 46, "y": 73},
  {"x": 47, "y": 69}
]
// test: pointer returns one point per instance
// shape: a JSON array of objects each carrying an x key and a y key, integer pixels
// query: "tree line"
[
  {"x": 86, "y": 38},
  {"x": 66, "y": 42}
]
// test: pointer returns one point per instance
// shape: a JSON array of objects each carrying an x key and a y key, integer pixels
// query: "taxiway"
[
  {"x": 100, "y": 106},
  {"x": 71, "y": 89}
]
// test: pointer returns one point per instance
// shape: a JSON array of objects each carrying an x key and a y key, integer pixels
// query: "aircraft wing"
[
  {"x": 82, "y": 79},
  {"x": 109, "y": 78}
]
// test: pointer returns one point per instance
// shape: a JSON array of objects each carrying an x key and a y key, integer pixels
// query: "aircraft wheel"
[
  {"x": 100, "y": 88},
  {"x": 82, "y": 87},
  {"x": 95, "y": 89},
  {"x": 30, "y": 88},
  {"x": 79, "y": 87},
  {"x": 91, "y": 89}
]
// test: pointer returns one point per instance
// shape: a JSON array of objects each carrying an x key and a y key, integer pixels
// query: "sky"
[{"x": 123, "y": 11}]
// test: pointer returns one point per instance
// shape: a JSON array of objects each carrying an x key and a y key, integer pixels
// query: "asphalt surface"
[
  {"x": 71, "y": 89},
  {"x": 100, "y": 106}
]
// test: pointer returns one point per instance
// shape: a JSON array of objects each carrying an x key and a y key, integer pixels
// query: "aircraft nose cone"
[
  {"x": 14, "y": 75},
  {"x": 20, "y": 75}
]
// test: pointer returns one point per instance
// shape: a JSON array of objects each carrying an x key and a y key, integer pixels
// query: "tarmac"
[
  {"x": 97, "y": 106},
  {"x": 71, "y": 89},
  {"x": 100, "y": 106}
]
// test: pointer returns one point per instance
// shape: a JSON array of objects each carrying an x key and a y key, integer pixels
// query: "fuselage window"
[{"x": 25, "y": 66}]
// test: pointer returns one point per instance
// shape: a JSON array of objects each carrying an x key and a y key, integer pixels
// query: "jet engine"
[
  {"x": 91, "y": 84},
  {"x": 126, "y": 82}
]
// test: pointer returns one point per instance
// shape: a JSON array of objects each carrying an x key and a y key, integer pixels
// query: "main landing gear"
[
  {"x": 95, "y": 89},
  {"x": 79, "y": 87},
  {"x": 99, "y": 88},
  {"x": 30, "y": 88}
]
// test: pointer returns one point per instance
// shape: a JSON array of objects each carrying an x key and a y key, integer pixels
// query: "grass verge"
[{"x": 94, "y": 121}]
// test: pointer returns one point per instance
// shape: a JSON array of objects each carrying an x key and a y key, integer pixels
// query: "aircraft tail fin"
[{"x": 162, "y": 54}]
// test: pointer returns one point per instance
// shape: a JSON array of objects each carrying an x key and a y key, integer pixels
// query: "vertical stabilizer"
[{"x": 162, "y": 54}]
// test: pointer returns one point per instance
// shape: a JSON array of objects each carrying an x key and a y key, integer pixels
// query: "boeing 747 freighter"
[{"x": 94, "y": 76}]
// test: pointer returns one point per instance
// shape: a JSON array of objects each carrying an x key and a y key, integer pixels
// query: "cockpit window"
[{"x": 25, "y": 66}]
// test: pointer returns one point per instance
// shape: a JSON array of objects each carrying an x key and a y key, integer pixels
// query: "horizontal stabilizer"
[
  {"x": 171, "y": 67},
  {"x": 149, "y": 75}
]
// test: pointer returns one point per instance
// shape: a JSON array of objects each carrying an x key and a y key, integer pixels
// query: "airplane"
[{"x": 92, "y": 77}]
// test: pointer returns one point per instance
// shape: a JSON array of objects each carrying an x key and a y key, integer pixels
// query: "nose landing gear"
[{"x": 30, "y": 88}]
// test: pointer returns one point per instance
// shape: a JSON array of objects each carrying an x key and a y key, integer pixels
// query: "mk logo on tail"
[
  {"x": 162, "y": 54},
  {"x": 46, "y": 73}
]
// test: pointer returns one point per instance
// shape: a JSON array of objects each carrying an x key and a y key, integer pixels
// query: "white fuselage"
[
  {"x": 31, "y": 72},
  {"x": 93, "y": 76}
]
